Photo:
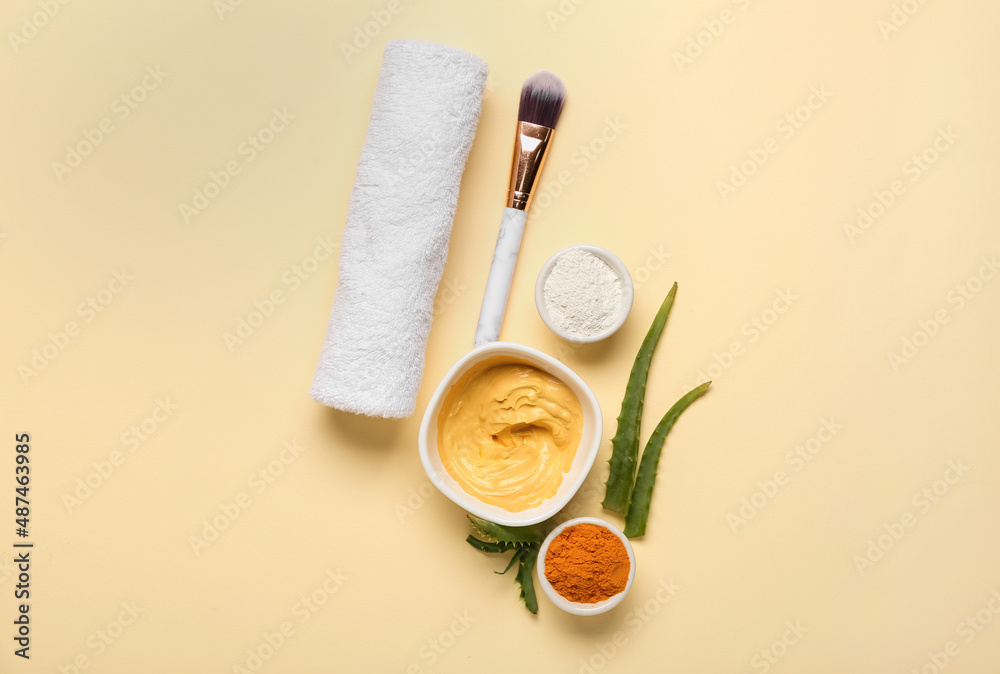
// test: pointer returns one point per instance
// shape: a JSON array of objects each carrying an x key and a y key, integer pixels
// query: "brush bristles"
[{"x": 542, "y": 98}]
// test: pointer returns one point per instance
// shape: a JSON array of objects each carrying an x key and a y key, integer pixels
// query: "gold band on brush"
[{"x": 530, "y": 147}]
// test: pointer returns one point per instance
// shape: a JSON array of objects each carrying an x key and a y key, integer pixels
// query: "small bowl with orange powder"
[{"x": 586, "y": 566}]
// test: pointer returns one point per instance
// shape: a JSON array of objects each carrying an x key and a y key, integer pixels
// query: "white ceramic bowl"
[
  {"x": 590, "y": 438},
  {"x": 623, "y": 310},
  {"x": 578, "y": 608}
]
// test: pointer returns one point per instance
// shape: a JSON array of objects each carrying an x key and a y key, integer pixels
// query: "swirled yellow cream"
[{"x": 508, "y": 432}]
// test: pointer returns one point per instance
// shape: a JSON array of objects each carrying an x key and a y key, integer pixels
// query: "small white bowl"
[
  {"x": 590, "y": 437},
  {"x": 623, "y": 310},
  {"x": 578, "y": 608}
]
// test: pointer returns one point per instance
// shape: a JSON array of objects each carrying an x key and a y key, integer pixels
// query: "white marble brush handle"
[{"x": 501, "y": 273}]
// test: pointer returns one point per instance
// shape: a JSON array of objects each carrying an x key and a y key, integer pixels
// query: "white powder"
[{"x": 582, "y": 293}]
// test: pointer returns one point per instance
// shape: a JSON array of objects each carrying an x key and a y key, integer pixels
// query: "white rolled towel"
[{"x": 423, "y": 119}]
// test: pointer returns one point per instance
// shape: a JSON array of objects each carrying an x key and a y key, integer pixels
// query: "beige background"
[{"x": 353, "y": 509}]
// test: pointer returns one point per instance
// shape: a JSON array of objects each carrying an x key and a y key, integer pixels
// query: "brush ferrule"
[{"x": 531, "y": 144}]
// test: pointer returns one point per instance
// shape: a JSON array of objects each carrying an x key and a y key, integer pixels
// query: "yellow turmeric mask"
[{"x": 508, "y": 432}]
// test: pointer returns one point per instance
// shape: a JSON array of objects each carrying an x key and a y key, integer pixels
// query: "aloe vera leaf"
[
  {"x": 514, "y": 559},
  {"x": 525, "y": 576},
  {"x": 525, "y": 540},
  {"x": 489, "y": 546},
  {"x": 642, "y": 495},
  {"x": 625, "y": 444},
  {"x": 532, "y": 534}
]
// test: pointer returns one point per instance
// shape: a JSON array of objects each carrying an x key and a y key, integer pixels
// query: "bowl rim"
[
  {"x": 578, "y": 608},
  {"x": 586, "y": 452},
  {"x": 628, "y": 293}
]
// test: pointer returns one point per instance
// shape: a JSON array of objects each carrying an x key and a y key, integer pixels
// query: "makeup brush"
[{"x": 542, "y": 97}]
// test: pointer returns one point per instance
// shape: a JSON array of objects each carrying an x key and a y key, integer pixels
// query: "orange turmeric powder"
[{"x": 587, "y": 563}]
